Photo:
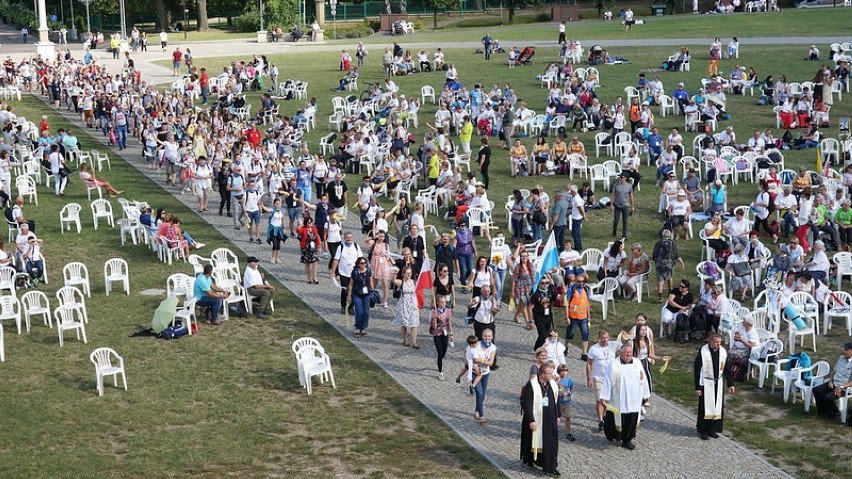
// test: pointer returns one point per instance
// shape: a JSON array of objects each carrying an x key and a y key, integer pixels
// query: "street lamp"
[
  {"x": 333, "y": 9},
  {"x": 261, "y": 16},
  {"x": 122, "y": 13},
  {"x": 88, "y": 20},
  {"x": 185, "y": 21}
]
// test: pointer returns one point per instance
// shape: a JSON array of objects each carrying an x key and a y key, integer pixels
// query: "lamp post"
[
  {"x": 261, "y": 16},
  {"x": 333, "y": 9},
  {"x": 185, "y": 22},
  {"x": 261, "y": 34},
  {"x": 122, "y": 12},
  {"x": 88, "y": 19}
]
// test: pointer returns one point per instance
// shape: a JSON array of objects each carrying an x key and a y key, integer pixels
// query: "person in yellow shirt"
[
  {"x": 434, "y": 166},
  {"x": 465, "y": 134}
]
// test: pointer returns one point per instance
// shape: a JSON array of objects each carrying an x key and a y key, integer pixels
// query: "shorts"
[
  {"x": 294, "y": 214},
  {"x": 597, "y": 385},
  {"x": 176, "y": 64},
  {"x": 565, "y": 410},
  {"x": 664, "y": 271},
  {"x": 254, "y": 217},
  {"x": 88, "y": 114},
  {"x": 678, "y": 220},
  {"x": 576, "y": 271}
]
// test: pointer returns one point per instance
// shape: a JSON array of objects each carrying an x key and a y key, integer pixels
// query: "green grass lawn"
[
  {"x": 791, "y": 22},
  {"x": 747, "y": 426},
  {"x": 224, "y": 402}
]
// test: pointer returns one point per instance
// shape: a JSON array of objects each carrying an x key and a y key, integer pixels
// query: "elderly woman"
[
  {"x": 745, "y": 338},
  {"x": 637, "y": 266},
  {"x": 740, "y": 272},
  {"x": 819, "y": 265}
]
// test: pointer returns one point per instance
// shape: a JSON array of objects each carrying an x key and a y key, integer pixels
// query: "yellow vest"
[{"x": 578, "y": 307}]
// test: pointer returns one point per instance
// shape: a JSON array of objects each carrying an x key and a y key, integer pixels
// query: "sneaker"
[
  {"x": 251, "y": 240},
  {"x": 198, "y": 245},
  {"x": 570, "y": 437},
  {"x": 325, "y": 255},
  {"x": 458, "y": 380},
  {"x": 440, "y": 376},
  {"x": 584, "y": 357},
  {"x": 470, "y": 389},
  {"x": 495, "y": 367},
  {"x": 600, "y": 426},
  {"x": 257, "y": 240}
]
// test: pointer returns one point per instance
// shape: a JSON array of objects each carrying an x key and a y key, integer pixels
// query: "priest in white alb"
[
  {"x": 711, "y": 371},
  {"x": 625, "y": 387}
]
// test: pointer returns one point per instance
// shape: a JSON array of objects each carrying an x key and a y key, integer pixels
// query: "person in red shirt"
[
  {"x": 253, "y": 135},
  {"x": 177, "y": 55},
  {"x": 44, "y": 125},
  {"x": 204, "y": 83}
]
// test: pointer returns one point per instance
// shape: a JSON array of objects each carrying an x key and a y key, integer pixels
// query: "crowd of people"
[{"x": 277, "y": 188}]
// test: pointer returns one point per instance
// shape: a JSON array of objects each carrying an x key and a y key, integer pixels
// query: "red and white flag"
[{"x": 424, "y": 281}]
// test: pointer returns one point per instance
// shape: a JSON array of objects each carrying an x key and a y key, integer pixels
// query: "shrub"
[
  {"x": 247, "y": 22},
  {"x": 374, "y": 24},
  {"x": 542, "y": 17},
  {"x": 357, "y": 30}
]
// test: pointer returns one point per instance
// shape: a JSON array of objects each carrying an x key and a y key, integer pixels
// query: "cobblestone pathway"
[{"x": 667, "y": 445}]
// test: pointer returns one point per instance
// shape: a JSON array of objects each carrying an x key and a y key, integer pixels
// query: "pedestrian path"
[{"x": 667, "y": 444}]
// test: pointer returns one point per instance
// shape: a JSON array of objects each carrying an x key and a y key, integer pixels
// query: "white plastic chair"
[
  {"x": 296, "y": 347},
  {"x": 26, "y": 187},
  {"x": 10, "y": 308},
  {"x": 70, "y": 215},
  {"x": 842, "y": 403},
  {"x": 762, "y": 367},
  {"x": 225, "y": 257},
  {"x": 314, "y": 362},
  {"x": 77, "y": 274},
  {"x": 838, "y": 304},
  {"x": 104, "y": 367},
  {"x": 819, "y": 374},
  {"x": 794, "y": 333},
  {"x": 102, "y": 208},
  {"x": 579, "y": 163},
  {"x": 667, "y": 104},
  {"x": 591, "y": 259},
  {"x": 598, "y": 173},
  {"x": 2, "y": 345},
  {"x": 116, "y": 270},
  {"x": 807, "y": 303},
  {"x": 36, "y": 303},
  {"x": 65, "y": 321},
  {"x": 7, "y": 280},
  {"x": 843, "y": 261},
  {"x": 603, "y": 293},
  {"x": 186, "y": 313},
  {"x": 427, "y": 91},
  {"x": 198, "y": 263},
  {"x": 69, "y": 297},
  {"x": 238, "y": 296},
  {"x": 599, "y": 144}
]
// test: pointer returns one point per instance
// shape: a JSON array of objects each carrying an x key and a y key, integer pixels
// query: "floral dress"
[
  {"x": 407, "y": 315},
  {"x": 381, "y": 262},
  {"x": 523, "y": 285},
  {"x": 309, "y": 240}
]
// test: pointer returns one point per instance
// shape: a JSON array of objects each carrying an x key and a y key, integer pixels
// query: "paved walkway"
[{"x": 667, "y": 445}]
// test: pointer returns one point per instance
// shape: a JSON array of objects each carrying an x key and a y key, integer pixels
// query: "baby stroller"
[
  {"x": 596, "y": 55},
  {"x": 525, "y": 58}
]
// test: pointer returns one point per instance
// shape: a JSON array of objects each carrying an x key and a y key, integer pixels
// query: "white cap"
[
  {"x": 718, "y": 182},
  {"x": 681, "y": 193}
]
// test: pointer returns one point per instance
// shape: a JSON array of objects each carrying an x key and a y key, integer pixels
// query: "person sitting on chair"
[{"x": 92, "y": 182}]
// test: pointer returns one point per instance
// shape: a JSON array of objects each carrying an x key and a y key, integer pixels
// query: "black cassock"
[
  {"x": 549, "y": 428},
  {"x": 706, "y": 426}
]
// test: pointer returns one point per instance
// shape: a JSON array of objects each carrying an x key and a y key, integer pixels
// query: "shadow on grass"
[
  {"x": 276, "y": 379},
  {"x": 86, "y": 385}
]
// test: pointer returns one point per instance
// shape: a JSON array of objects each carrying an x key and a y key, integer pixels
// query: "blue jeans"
[
  {"x": 576, "y": 228},
  {"x": 500, "y": 280},
  {"x": 559, "y": 231},
  {"x": 362, "y": 311},
  {"x": 518, "y": 229},
  {"x": 789, "y": 222},
  {"x": 584, "y": 329},
  {"x": 480, "y": 391},
  {"x": 465, "y": 267},
  {"x": 536, "y": 230},
  {"x": 306, "y": 193},
  {"x": 663, "y": 172},
  {"x": 215, "y": 304},
  {"x": 121, "y": 133}
]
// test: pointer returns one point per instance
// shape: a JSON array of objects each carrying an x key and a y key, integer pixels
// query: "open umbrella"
[{"x": 164, "y": 314}]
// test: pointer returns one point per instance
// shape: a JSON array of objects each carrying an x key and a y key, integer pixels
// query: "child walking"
[{"x": 566, "y": 385}]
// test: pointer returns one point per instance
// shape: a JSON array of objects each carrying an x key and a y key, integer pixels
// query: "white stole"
[
  {"x": 712, "y": 401},
  {"x": 538, "y": 415},
  {"x": 617, "y": 381}
]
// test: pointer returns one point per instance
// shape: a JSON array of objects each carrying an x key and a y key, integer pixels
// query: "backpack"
[{"x": 665, "y": 251}]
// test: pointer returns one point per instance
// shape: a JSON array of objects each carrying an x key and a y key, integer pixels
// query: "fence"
[{"x": 358, "y": 11}]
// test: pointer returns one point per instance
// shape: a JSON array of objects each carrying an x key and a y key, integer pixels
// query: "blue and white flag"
[{"x": 548, "y": 260}]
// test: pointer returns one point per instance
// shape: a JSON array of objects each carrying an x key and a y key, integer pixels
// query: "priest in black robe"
[{"x": 540, "y": 425}]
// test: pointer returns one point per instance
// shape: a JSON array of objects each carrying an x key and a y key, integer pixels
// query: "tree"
[
  {"x": 436, "y": 5},
  {"x": 517, "y": 4},
  {"x": 203, "y": 24}
]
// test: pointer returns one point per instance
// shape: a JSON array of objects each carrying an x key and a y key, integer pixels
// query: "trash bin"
[{"x": 658, "y": 10}]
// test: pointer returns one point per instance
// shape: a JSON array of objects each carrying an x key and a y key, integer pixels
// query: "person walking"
[
  {"x": 541, "y": 420},
  {"x": 621, "y": 201},
  {"x": 542, "y": 308},
  {"x": 485, "y": 307},
  {"x": 441, "y": 329},
  {"x": 597, "y": 363},
  {"x": 578, "y": 216},
  {"x": 488, "y": 43},
  {"x": 407, "y": 317},
  {"x": 342, "y": 266},
  {"x": 577, "y": 313},
  {"x": 358, "y": 294},
  {"x": 711, "y": 371},
  {"x": 625, "y": 387}
]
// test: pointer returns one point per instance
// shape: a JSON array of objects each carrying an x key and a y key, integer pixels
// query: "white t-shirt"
[
  {"x": 252, "y": 278},
  {"x": 600, "y": 356},
  {"x": 569, "y": 258},
  {"x": 679, "y": 207},
  {"x": 346, "y": 257},
  {"x": 576, "y": 203}
]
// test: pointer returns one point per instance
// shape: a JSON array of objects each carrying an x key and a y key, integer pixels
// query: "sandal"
[
  {"x": 405, "y": 343},
  {"x": 415, "y": 346}
]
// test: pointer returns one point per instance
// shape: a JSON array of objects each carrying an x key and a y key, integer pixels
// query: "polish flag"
[{"x": 424, "y": 281}]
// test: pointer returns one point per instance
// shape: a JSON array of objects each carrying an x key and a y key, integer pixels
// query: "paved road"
[{"x": 667, "y": 445}]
